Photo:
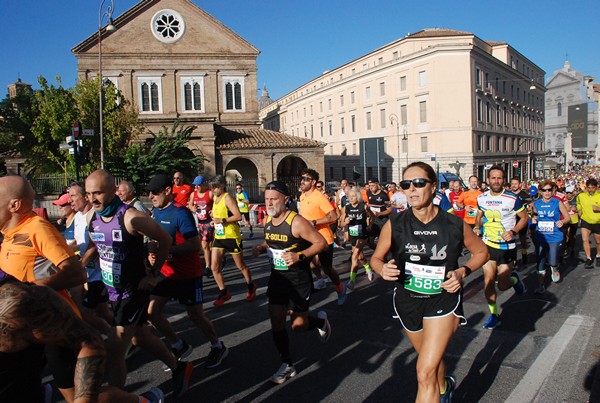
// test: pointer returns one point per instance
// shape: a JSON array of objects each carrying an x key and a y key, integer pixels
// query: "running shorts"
[
  {"x": 326, "y": 256},
  {"x": 132, "y": 310},
  {"x": 292, "y": 285},
  {"x": 187, "y": 291},
  {"x": 595, "y": 228},
  {"x": 502, "y": 256},
  {"x": 206, "y": 232},
  {"x": 95, "y": 295},
  {"x": 233, "y": 246}
]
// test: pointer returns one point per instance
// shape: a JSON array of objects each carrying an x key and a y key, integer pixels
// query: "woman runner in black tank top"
[{"x": 425, "y": 243}]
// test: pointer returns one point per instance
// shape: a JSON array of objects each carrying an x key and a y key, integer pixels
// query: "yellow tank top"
[{"x": 228, "y": 230}]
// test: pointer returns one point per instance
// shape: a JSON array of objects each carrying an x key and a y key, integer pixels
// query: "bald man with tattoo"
[{"x": 33, "y": 316}]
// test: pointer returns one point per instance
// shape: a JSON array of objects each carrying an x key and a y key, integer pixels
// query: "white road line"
[{"x": 531, "y": 383}]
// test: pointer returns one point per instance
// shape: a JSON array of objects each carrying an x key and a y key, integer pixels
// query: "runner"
[
  {"x": 34, "y": 316},
  {"x": 201, "y": 203},
  {"x": 425, "y": 243},
  {"x": 116, "y": 232},
  {"x": 497, "y": 216},
  {"x": 573, "y": 224},
  {"x": 379, "y": 210},
  {"x": 243, "y": 201},
  {"x": 468, "y": 201},
  {"x": 181, "y": 191},
  {"x": 354, "y": 216},
  {"x": 67, "y": 217},
  {"x": 182, "y": 271},
  {"x": 315, "y": 207},
  {"x": 550, "y": 215},
  {"x": 398, "y": 201},
  {"x": 126, "y": 192},
  {"x": 588, "y": 208},
  {"x": 291, "y": 242},
  {"x": 455, "y": 192},
  {"x": 33, "y": 251},
  {"x": 225, "y": 217}
]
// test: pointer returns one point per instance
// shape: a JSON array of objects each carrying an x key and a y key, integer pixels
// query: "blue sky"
[{"x": 299, "y": 40}]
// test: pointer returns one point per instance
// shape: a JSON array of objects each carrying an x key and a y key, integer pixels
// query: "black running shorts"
[
  {"x": 290, "y": 285},
  {"x": 187, "y": 291},
  {"x": 132, "y": 310},
  {"x": 502, "y": 256}
]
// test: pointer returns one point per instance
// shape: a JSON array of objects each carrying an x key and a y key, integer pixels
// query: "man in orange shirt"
[
  {"x": 315, "y": 207},
  {"x": 34, "y": 251},
  {"x": 468, "y": 201},
  {"x": 181, "y": 191}
]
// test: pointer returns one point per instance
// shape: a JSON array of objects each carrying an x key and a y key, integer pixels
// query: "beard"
[{"x": 273, "y": 211}]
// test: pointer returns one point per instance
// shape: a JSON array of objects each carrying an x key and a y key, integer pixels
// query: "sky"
[{"x": 299, "y": 40}]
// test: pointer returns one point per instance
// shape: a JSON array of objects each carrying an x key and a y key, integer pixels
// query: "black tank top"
[
  {"x": 427, "y": 251},
  {"x": 280, "y": 238}
]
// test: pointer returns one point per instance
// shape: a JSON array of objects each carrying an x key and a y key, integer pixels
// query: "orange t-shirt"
[
  {"x": 32, "y": 251},
  {"x": 315, "y": 207},
  {"x": 469, "y": 198}
]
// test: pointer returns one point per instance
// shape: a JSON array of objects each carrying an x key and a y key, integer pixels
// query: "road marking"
[{"x": 531, "y": 383}]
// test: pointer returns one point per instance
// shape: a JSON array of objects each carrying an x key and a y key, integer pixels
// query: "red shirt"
[
  {"x": 459, "y": 212},
  {"x": 182, "y": 194},
  {"x": 203, "y": 206}
]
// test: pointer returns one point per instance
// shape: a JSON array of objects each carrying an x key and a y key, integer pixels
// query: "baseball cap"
[
  {"x": 569, "y": 189},
  {"x": 278, "y": 186},
  {"x": 62, "y": 200},
  {"x": 159, "y": 183},
  {"x": 533, "y": 191},
  {"x": 199, "y": 180},
  {"x": 373, "y": 180}
]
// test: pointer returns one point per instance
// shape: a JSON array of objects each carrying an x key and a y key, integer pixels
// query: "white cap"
[{"x": 569, "y": 189}]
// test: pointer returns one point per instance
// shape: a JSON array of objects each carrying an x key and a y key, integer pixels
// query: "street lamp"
[
  {"x": 109, "y": 28},
  {"x": 394, "y": 118}
]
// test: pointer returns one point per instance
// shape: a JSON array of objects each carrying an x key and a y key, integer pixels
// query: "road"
[{"x": 542, "y": 352}]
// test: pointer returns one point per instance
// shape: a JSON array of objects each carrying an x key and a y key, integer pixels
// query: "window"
[
  {"x": 478, "y": 77},
  {"x": 422, "y": 78},
  {"x": 329, "y": 103},
  {"x": 382, "y": 89},
  {"x": 488, "y": 113},
  {"x": 342, "y": 125},
  {"x": 423, "y": 111},
  {"x": 150, "y": 94},
  {"x": 403, "y": 83},
  {"x": 304, "y": 111},
  {"x": 488, "y": 143},
  {"x": 498, "y": 115},
  {"x": 559, "y": 109},
  {"x": 424, "y": 144},
  {"x": 193, "y": 93},
  {"x": 368, "y": 120},
  {"x": 352, "y": 97},
  {"x": 234, "y": 93},
  {"x": 479, "y": 142},
  {"x": 341, "y": 100},
  {"x": 320, "y": 106},
  {"x": 353, "y": 123},
  {"x": 311, "y": 110},
  {"x": 382, "y": 118},
  {"x": 404, "y": 114},
  {"x": 487, "y": 81},
  {"x": 330, "y": 150},
  {"x": 330, "y": 128},
  {"x": 321, "y": 127},
  {"x": 368, "y": 93},
  {"x": 498, "y": 143},
  {"x": 353, "y": 148},
  {"x": 479, "y": 111}
]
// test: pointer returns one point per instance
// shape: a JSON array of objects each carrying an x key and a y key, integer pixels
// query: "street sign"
[
  {"x": 515, "y": 164},
  {"x": 76, "y": 129},
  {"x": 70, "y": 140},
  {"x": 64, "y": 146},
  {"x": 88, "y": 132}
]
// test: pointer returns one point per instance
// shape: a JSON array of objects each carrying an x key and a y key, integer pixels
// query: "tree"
[{"x": 165, "y": 152}]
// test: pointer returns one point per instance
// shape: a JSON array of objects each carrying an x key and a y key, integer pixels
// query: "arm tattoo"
[{"x": 88, "y": 376}]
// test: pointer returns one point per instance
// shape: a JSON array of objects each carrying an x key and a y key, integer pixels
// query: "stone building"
[
  {"x": 174, "y": 61},
  {"x": 439, "y": 95}
]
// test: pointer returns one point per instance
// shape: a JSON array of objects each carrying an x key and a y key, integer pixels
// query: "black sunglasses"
[
  {"x": 306, "y": 178},
  {"x": 417, "y": 182},
  {"x": 547, "y": 190}
]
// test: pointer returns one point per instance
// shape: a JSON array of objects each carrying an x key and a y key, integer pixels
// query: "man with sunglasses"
[
  {"x": 181, "y": 191},
  {"x": 379, "y": 208},
  {"x": 499, "y": 210},
  {"x": 315, "y": 207},
  {"x": 588, "y": 207}
]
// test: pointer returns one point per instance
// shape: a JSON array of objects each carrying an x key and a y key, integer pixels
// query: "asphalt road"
[{"x": 542, "y": 352}]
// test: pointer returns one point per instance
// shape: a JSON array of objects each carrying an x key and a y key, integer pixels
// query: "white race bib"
[
  {"x": 277, "y": 257},
  {"x": 546, "y": 226},
  {"x": 355, "y": 230},
  {"x": 111, "y": 272},
  {"x": 424, "y": 279},
  {"x": 219, "y": 230}
]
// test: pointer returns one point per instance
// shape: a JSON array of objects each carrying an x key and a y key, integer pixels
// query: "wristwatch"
[
  {"x": 301, "y": 257},
  {"x": 314, "y": 223}
]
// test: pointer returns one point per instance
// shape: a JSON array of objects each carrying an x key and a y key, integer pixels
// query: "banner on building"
[
  {"x": 578, "y": 125},
  {"x": 372, "y": 156}
]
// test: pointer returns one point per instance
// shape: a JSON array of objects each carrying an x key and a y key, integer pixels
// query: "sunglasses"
[
  {"x": 418, "y": 183},
  {"x": 306, "y": 178},
  {"x": 156, "y": 192},
  {"x": 569, "y": 193},
  {"x": 547, "y": 190},
  {"x": 318, "y": 186},
  {"x": 176, "y": 178}
]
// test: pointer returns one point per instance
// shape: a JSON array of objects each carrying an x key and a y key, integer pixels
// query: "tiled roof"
[
  {"x": 229, "y": 139},
  {"x": 434, "y": 32}
]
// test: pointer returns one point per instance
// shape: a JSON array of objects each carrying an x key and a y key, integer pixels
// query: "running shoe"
[
  {"x": 181, "y": 378},
  {"x": 183, "y": 352},
  {"x": 325, "y": 332},
  {"x": 131, "y": 350},
  {"x": 350, "y": 285},
  {"x": 370, "y": 274},
  {"x": 320, "y": 284},
  {"x": 342, "y": 294},
  {"x": 154, "y": 395},
  {"x": 251, "y": 294},
  {"x": 540, "y": 290},
  {"x": 555, "y": 276},
  {"x": 519, "y": 286},
  {"x": 450, "y": 386},
  {"x": 492, "y": 322},
  {"x": 251, "y": 236},
  {"x": 285, "y": 372},
  {"x": 223, "y": 297},
  {"x": 216, "y": 356},
  {"x": 589, "y": 263}
]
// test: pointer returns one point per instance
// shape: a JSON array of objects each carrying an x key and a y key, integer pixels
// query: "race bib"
[
  {"x": 277, "y": 259},
  {"x": 375, "y": 209},
  {"x": 241, "y": 205},
  {"x": 355, "y": 230},
  {"x": 111, "y": 273},
  {"x": 546, "y": 226},
  {"x": 472, "y": 213},
  {"x": 219, "y": 230},
  {"x": 201, "y": 214},
  {"x": 424, "y": 279}
]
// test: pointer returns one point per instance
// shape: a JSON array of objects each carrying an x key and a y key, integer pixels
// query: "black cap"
[
  {"x": 159, "y": 183},
  {"x": 373, "y": 180},
  {"x": 278, "y": 186}
]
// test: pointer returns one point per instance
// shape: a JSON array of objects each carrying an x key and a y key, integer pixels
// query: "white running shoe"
[
  {"x": 325, "y": 332},
  {"x": 284, "y": 373},
  {"x": 370, "y": 274}
]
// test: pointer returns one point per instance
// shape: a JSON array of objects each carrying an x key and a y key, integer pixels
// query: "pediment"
[
  {"x": 560, "y": 78},
  {"x": 204, "y": 34}
]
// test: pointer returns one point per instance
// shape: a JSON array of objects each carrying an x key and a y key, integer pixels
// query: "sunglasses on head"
[
  {"x": 306, "y": 178},
  {"x": 418, "y": 183}
]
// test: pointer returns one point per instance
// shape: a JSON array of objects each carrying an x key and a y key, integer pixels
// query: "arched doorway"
[
  {"x": 289, "y": 170},
  {"x": 244, "y": 171}
]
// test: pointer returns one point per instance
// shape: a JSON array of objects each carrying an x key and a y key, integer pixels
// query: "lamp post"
[
  {"x": 394, "y": 118},
  {"x": 109, "y": 28}
]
